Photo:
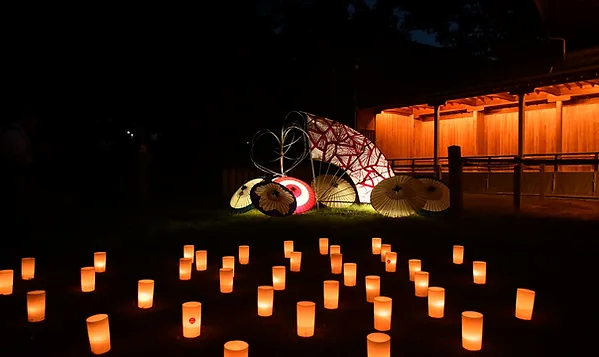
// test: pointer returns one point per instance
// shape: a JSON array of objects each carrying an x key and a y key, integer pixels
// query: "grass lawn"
[{"x": 520, "y": 251}]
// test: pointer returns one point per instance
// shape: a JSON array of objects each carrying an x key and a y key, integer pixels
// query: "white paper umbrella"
[
  {"x": 398, "y": 196},
  {"x": 333, "y": 191},
  {"x": 437, "y": 196},
  {"x": 241, "y": 200}
]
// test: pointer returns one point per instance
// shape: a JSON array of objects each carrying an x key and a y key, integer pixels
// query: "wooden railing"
[
  {"x": 532, "y": 162},
  {"x": 552, "y": 162}
]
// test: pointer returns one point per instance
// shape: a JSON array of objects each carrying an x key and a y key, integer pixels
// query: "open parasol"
[
  {"x": 241, "y": 201},
  {"x": 437, "y": 197},
  {"x": 303, "y": 193},
  {"x": 273, "y": 199},
  {"x": 398, "y": 196},
  {"x": 334, "y": 191}
]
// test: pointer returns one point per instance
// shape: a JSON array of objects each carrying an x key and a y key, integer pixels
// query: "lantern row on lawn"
[{"x": 378, "y": 344}]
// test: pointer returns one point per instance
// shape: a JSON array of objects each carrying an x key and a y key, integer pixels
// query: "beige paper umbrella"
[
  {"x": 333, "y": 191},
  {"x": 241, "y": 200},
  {"x": 398, "y": 196},
  {"x": 437, "y": 197}
]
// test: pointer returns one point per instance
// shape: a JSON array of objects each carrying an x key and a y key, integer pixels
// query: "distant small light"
[
  {"x": 128, "y": 132},
  {"x": 247, "y": 143}
]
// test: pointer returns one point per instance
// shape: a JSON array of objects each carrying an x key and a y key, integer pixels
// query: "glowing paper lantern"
[
  {"x": 472, "y": 330},
  {"x": 414, "y": 265},
  {"x": 36, "y": 306},
  {"x": 201, "y": 260},
  {"x": 384, "y": 249},
  {"x": 88, "y": 279},
  {"x": 378, "y": 345},
  {"x": 458, "y": 254},
  {"x": 525, "y": 301},
  {"x": 98, "y": 332},
  {"x": 373, "y": 287},
  {"x": 335, "y": 249},
  {"x": 226, "y": 280},
  {"x": 421, "y": 283},
  {"x": 192, "y": 319},
  {"x": 436, "y": 302},
  {"x": 479, "y": 272},
  {"x": 295, "y": 262},
  {"x": 306, "y": 311},
  {"x": 145, "y": 293},
  {"x": 100, "y": 262},
  {"x": 266, "y": 296},
  {"x": 6, "y": 281},
  {"x": 376, "y": 246},
  {"x": 229, "y": 262},
  {"x": 349, "y": 274},
  {"x": 288, "y": 248},
  {"x": 184, "y": 269},
  {"x": 278, "y": 277},
  {"x": 390, "y": 262},
  {"x": 188, "y": 251},
  {"x": 336, "y": 263},
  {"x": 323, "y": 245},
  {"x": 244, "y": 254},
  {"x": 331, "y": 294},
  {"x": 382, "y": 313},
  {"x": 236, "y": 349},
  {"x": 27, "y": 268}
]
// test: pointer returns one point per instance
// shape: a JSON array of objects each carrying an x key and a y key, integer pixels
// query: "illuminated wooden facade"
[
  {"x": 553, "y": 115},
  {"x": 564, "y": 122}
]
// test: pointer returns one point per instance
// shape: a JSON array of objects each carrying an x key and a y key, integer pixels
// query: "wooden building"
[{"x": 553, "y": 115}]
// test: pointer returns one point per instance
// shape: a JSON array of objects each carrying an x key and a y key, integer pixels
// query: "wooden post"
[
  {"x": 558, "y": 127},
  {"x": 481, "y": 137},
  {"x": 436, "y": 116},
  {"x": 518, "y": 166},
  {"x": 596, "y": 177},
  {"x": 517, "y": 184},
  {"x": 542, "y": 193},
  {"x": 456, "y": 195}
]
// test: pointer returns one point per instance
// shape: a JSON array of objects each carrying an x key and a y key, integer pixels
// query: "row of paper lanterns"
[{"x": 98, "y": 324}]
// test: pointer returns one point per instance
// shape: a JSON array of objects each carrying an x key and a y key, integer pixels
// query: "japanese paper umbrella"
[
  {"x": 398, "y": 196},
  {"x": 302, "y": 191},
  {"x": 437, "y": 196},
  {"x": 333, "y": 191},
  {"x": 273, "y": 199},
  {"x": 241, "y": 201}
]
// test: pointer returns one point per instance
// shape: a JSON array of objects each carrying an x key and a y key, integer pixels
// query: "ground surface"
[{"x": 550, "y": 256}]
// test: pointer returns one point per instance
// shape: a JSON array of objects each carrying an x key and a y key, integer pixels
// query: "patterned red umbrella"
[{"x": 302, "y": 191}]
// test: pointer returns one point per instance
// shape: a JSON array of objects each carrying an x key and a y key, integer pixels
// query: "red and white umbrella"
[{"x": 304, "y": 195}]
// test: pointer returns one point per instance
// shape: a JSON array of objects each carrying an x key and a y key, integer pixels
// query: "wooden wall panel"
[
  {"x": 424, "y": 143},
  {"x": 580, "y": 128},
  {"x": 395, "y": 135},
  {"x": 502, "y": 133},
  {"x": 458, "y": 131},
  {"x": 539, "y": 132}
]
